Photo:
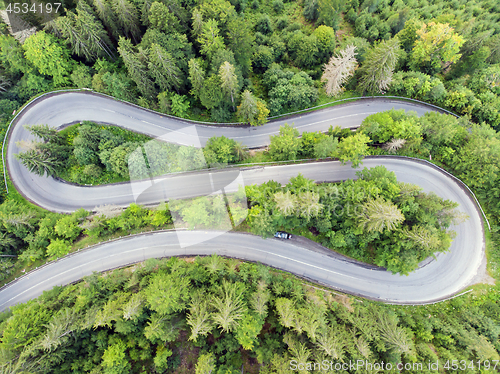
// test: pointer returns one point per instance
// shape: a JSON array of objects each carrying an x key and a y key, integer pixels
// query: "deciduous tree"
[
  {"x": 353, "y": 148},
  {"x": 48, "y": 56},
  {"x": 437, "y": 47},
  {"x": 286, "y": 145}
]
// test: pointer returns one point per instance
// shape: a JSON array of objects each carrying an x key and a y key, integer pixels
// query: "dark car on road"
[{"x": 283, "y": 235}]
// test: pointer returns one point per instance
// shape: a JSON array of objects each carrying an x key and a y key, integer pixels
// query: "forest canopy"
[{"x": 244, "y": 61}]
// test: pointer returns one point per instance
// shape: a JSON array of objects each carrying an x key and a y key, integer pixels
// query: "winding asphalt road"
[{"x": 439, "y": 279}]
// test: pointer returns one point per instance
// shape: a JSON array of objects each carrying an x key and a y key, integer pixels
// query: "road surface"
[{"x": 439, "y": 279}]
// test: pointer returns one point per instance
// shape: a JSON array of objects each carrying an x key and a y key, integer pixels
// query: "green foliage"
[
  {"x": 263, "y": 57},
  {"x": 136, "y": 64},
  {"x": 264, "y": 25},
  {"x": 211, "y": 94},
  {"x": 311, "y": 10},
  {"x": 84, "y": 32},
  {"x": 161, "y": 358},
  {"x": 288, "y": 90},
  {"x": 114, "y": 359},
  {"x": 86, "y": 144},
  {"x": 418, "y": 86},
  {"x": 373, "y": 219},
  {"x": 431, "y": 35},
  {"x": 161, "y": 18},
  {"x": 179, "y": 105},
  {"x": 353, "y": 149},
  {"x": 67, "y": 227},
  {"x": 436, "y": 47},
  {"x": 240, "y": 40},
  {"x": 221, "y": 150},
  {"x": 325, "y": 37},
  {"x": 206, "y": 211},
  {"x": 470, "y": 151},
  {"x": 392, "y": 124},
  {"x": 11, "y": 55},
  {"x": 119, "y": 158},
  {"x": 105, "y": 320},
  {"x": 205, "y": 364},
  {"x": 39, "y": 162},
  {"x": 81, "y": 76},
  {"x": 167, "y": 293},
  {"x": 379, "y": 65},
  {"x": 329, "y": 13},
  {"x": 325, "y": 147},
  {"x": 163, "y": 68},
  {"x": 286, "y": 145},
  {"x": 50, "y": 58},
  {"x": 209, "y": 39},
  {"x": 57, "y": 248},
  {"x": 247, "y": 110},
  {"x": 308, "y": 142},
  {"x": 303, "y": 49}
]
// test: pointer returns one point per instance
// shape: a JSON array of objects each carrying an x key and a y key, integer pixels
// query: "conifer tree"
[
  {"x": 379, "y": 215},
  {"x": 338, "y": 70},
  {"x": 196, "y": 76},
  {"x": 92, "y": 32},
  {"x": 127, "y": 18},
  {"x": 44, "y": 132},
  {"x": 197, "y": 22},
  {"x": 378, "y": 67},
  {"x": 163, "y": 69},
  {"x": 205, "y": 364},
  {"x": 106, "y": 14},
  {"x": 209, "y": 39},
  {"x": 329, "y": 341},
  {"x": 229, "y": 80},
  {"x": 229, "y": 305},
  {"x": 247, "y": 110},
  {"x": 199, "y": 316},
  {"x": 286, "y": 203},
  {"x": 137, "y": 67},
  {"x": 39, "y": 162}
]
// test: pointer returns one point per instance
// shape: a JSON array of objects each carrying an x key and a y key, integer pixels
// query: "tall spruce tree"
[
  {"x": 196, "y": 76},
  {"x": 137, "y": 68},
  {"x": 247, "y": 110},
  {"x": 106, "y": 14},
  {"x": 378, "y": 67},
  {"x": 163, "y": 69},
  {"x": 127, "y": 18}
]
